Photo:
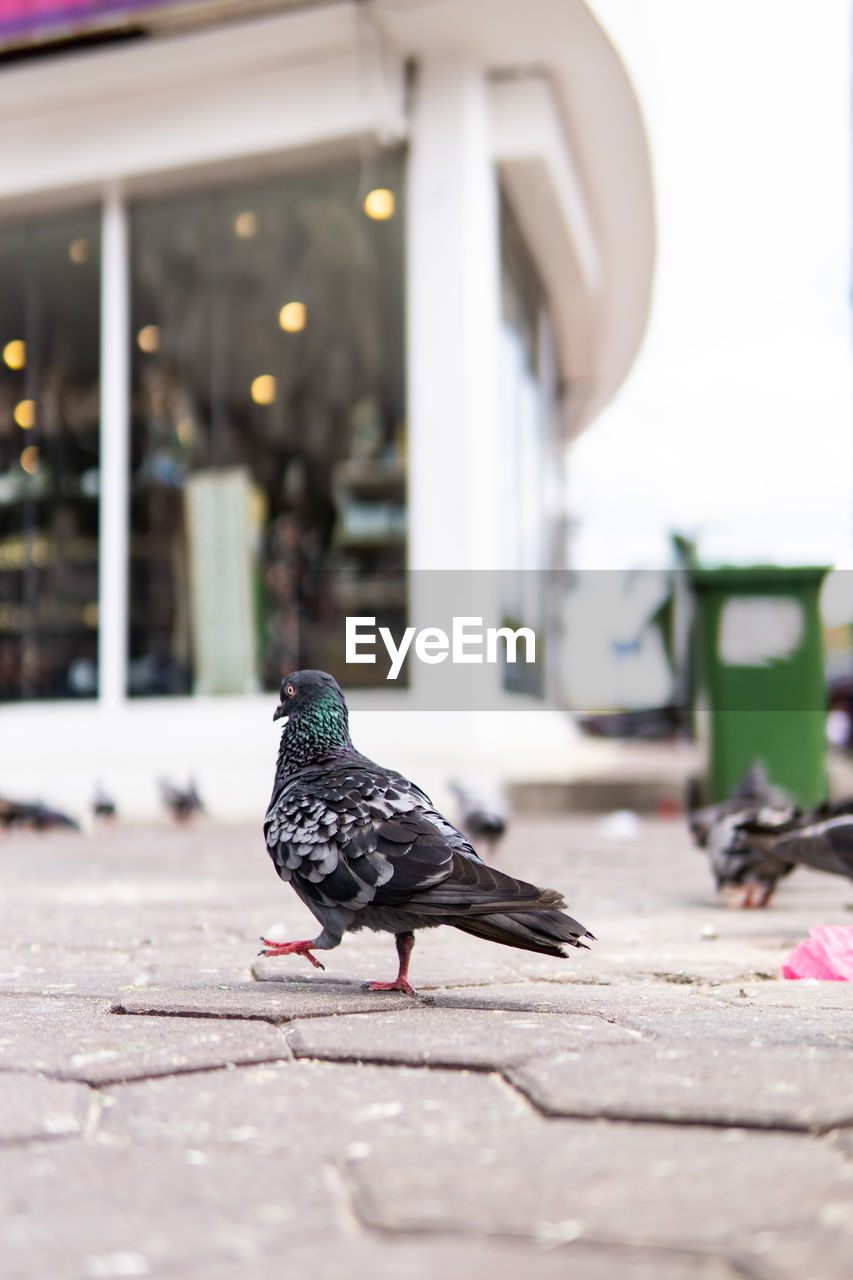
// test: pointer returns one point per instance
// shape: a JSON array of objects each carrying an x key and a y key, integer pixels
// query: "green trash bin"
[{"x": 760, "y": 662}]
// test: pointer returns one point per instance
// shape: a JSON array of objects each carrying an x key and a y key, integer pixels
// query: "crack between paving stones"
[
  {"x": 616, "y": 1116},
  {"x": 478, "y": 1068},
  {"x": 223, "y": 1016},
  {"x": 34, "y": 1140},
  {"x": 363, "y": 1217},
  {"x": 52, "y": 995},
  {"x": 171, "y": 1073}
]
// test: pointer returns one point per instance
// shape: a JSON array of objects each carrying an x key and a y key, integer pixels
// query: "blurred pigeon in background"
[
  {"x": 182, "y": 804},
  {"x": 734, "y": 832},
  {"x": 741, "y": 849},
  {"x": 103, "y": 805},
  {"x": 758, "y": 835},
  {"x": 364, "y": 848},
  {"x": 35, "y": 816},
  {"x": 484, "y": 823}
]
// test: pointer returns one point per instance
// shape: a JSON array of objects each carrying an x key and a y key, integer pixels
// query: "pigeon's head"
[
  {"x": 308, "y": 691},
  {"x": 317, "y": 720}
]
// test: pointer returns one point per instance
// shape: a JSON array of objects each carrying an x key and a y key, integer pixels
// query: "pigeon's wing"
[
  {"x": 334, "y": 831},
  {"x": 435, "y": 873},
  {"x": 827, "y": 846},
  {"x": 353, "y": 836}
]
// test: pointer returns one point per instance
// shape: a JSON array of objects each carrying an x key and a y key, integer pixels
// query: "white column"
[
  {"x": 115, "y": 443},
  {"x": 453, "y": 276}
]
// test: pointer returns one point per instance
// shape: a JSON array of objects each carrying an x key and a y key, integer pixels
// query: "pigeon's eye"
[{"x": 289, "y": 690}]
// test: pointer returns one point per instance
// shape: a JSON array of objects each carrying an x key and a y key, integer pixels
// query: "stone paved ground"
[{"x": 660, "y": 1107}]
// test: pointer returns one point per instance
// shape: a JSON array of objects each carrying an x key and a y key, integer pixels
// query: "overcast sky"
[{"x": 736, "y": 423}]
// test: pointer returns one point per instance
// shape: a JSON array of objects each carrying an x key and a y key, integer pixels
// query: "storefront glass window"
[
  {"x": 49, "y": 457},
  {"x": 268, "y": 426}
]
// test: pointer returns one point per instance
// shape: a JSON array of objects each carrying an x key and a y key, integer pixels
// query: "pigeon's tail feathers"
[{"x": 547, "y": 932}]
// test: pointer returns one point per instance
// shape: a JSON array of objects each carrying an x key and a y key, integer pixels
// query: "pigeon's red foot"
[
  {"x": 405, "y": 942},
  {"x": 399, "y": 984},
  {"x": 291, "y": 949}
]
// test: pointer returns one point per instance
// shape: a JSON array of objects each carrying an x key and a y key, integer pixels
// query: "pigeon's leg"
[
  {"x": 766, "y": 894},
  {"x": 323, "y": 942},
  {"x": 748, "y": 899},
  {"x": 405, "y": 942}
]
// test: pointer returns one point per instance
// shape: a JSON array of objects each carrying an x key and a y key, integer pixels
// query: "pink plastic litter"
[{"x": 826, "y": 954}]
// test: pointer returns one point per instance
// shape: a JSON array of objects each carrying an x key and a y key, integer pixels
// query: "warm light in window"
[
  {"x": 148, "y": 339},
  {"x": 15, "y": 354},
  {"x": 263, "y": 389},
  {"x": 25, "y": 414},
  {"x": 78, "y": 251},
  {"x": 246, "y": 224},
  {"x": 379, "y": 204},
  {"x": 30, "y": 459},
  {"x": 292, "y": 317}
]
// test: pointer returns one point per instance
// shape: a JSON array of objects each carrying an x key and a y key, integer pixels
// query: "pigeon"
[
  {"x": 738, "y": 834},
  {"x": 742, "y": 851},
  {"x": 35, "y": 815},
  {"x": 758, "y": 835},
  {"x": 103, "y": 805},
  {"x": 364, "y": 848},
  {"x": 479, "y": 820},
  {"x": 182, "y": 805}
]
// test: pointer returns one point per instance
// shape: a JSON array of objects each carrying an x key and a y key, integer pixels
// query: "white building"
[{"x": 359, "y": 272}]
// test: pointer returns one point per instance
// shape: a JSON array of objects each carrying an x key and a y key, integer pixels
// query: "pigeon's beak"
[{"x": 280, "y": 711}]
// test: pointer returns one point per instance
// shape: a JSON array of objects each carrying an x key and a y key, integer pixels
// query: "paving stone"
[
  {"x": 426, "y": 1256},
  {"x": 103, "y": 972},
  {"x": 789, "y": 994},
  {"x": 81, "y": 1040},
  {"x": 476, "y": 1038},
  {"x": 311, "y": 1109},
  {"x": 125, "y": 927},
  {"x": 816, "y": 1255},
  {"x": 63, "y": 972},
  {"x": 784, "y": 1086},
  {"x": 71, "y": 968},
  {"x": 610, "y": 1000},
  {"x": 33, "y": 1107},
  {"x": 644, "y": 1185},
  {"x": 273, "y": 1001},
  {"x": 75, "y": 1210},
  {"x": 843, "y": 1140},
  {"x": 750, "y": 1022}
]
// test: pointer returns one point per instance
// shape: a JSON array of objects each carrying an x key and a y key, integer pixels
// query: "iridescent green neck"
[{"x": 315, "y": 733}]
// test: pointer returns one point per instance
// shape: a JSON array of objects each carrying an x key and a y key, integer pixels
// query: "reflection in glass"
[
  {"x": 49, "y": 458},
  {"x": 268, "y": 429}
]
